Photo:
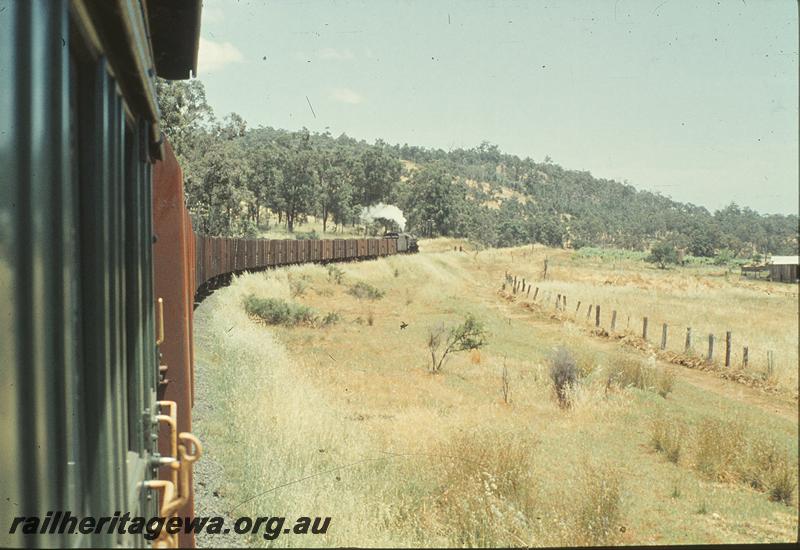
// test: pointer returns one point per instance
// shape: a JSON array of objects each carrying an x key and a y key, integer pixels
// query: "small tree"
[
  {"x": 441, "y": 342},
  {"x": 724, "y": 257},
  {"x": 506, "y": 385},
  {"x": 663, "y": 253}
]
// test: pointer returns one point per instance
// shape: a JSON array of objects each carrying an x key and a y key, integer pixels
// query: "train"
[
  {"x": 216, "y": 259},
  {"x": 100, "y": 270}
]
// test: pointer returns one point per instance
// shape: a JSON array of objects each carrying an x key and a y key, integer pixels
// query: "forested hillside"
[{"x": 239, "y": 180}]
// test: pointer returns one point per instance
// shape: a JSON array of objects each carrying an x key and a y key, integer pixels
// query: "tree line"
[{"x": 235, "y": 175}]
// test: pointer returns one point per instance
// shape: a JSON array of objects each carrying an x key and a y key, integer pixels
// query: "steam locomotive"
[{"x": 100, "y": 269}]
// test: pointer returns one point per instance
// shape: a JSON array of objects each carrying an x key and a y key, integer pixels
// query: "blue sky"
[{"x": 696, "y": 100}]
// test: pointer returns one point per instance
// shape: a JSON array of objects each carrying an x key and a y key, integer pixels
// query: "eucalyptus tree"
[
  {"x": 185, "y": 114},
  {"x": 295, "y": 190},
  {"x": 334, "y": 187},
  {"x": 433, "y": 201}
]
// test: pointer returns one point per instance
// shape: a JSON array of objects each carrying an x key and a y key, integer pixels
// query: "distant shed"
[{"x": 783, "y": 269}]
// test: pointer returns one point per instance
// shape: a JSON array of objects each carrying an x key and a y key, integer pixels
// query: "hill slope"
[
  {"x": 343, "y": 419},
  {"x": 240, "y": 181}
]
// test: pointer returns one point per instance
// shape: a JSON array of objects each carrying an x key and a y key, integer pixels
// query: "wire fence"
[{"x": 681, "y": 344}]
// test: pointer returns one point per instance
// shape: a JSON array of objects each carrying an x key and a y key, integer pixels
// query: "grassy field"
[
  {"x": 334, "y": 411},
  {"x": 710, "y": 299}
]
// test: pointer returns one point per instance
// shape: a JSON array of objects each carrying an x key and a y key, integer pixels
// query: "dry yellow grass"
[
  {"x": 710, "y": 300},
  {"x": 403, "y": 457}
]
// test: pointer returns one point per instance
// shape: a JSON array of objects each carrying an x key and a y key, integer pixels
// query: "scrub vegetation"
[{"x": 602, "y": 443}]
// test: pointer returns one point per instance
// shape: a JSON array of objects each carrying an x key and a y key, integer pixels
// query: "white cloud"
[
  {"x": 346, "y": 95},
  {"x": 215, "y": 55},
  {"x": 336, "y": 55}
]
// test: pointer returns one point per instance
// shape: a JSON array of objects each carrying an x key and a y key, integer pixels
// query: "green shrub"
[
  {"x": 275, "y": 311},
  {"x": 335, "y": 274},
  {"x": 469, "y": 335},
  {"x": 363, "y": 290},
  {"x": 724, "y": 257},
  {"x": 311, "y": 235},
  {"x": 663, "y": 253},
  {"x": 331, "y": 318},
  {"x": 612, "y": 254},
  {"x": 298, "y": 287}
]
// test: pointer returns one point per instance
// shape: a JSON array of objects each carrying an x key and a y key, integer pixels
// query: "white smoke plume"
[{"x": 388, "y": 211}]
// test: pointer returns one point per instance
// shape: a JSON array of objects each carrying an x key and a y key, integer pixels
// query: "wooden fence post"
[
  {"x": 577, "y": 307},
  {"x": 523, "y": 285},
  {"x": 644, "y": 328},
  {"x": 688, "y": 344},
  {"x": 613, "y": 320},
  {"x": 558, "y": 300},
  {"x": 664, "y": 336},
  {"x": 745, "y": 353},
  {"x": 589, "y": 312},
  {"x": 597, "y": 316},
  {"x": 535, "y": 293},
  {"x": 770, "y": 363},
  {"x": 728, "y": 349},
  {"x": 710, "y": 348},
  {"x": 564, "y": 302},
  {"x": 529, "y": 291}
]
